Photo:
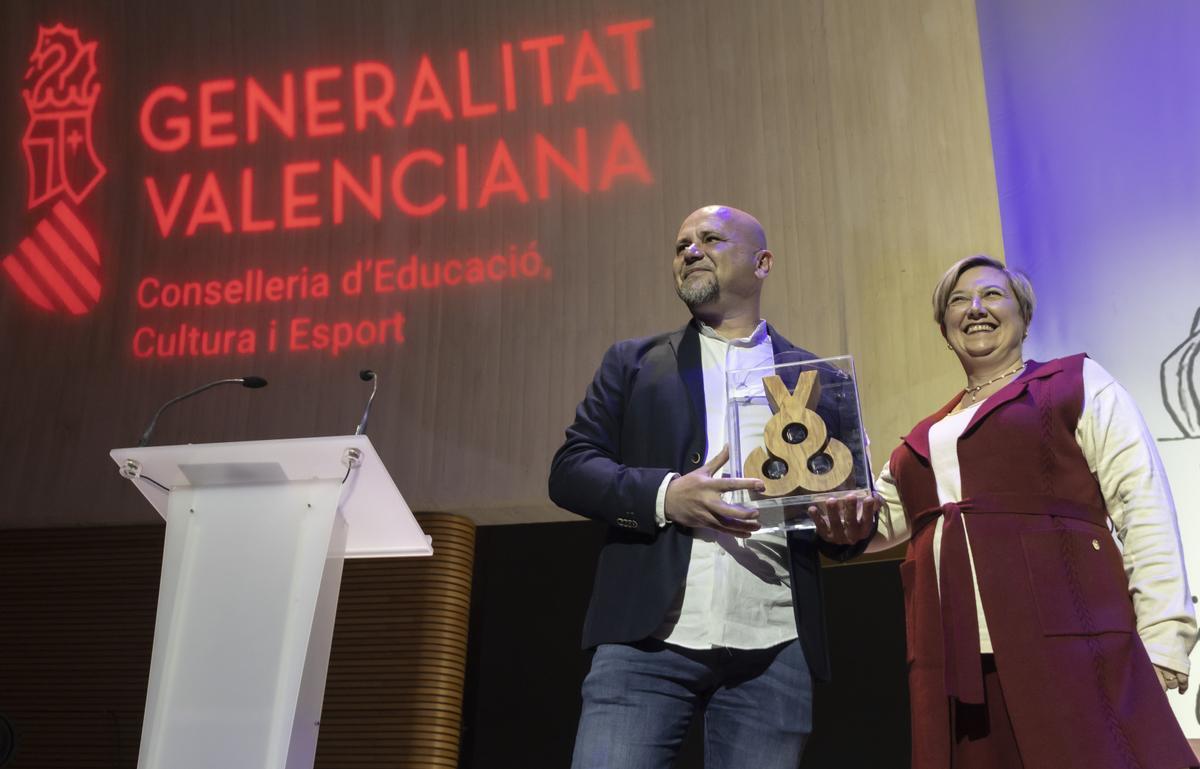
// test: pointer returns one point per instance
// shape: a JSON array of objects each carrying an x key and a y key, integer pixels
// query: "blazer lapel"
[
  {"x": 781, "y": 346},
  {"x": 778, "y": 343},
  {"x": 686, "y": 344},
  {"x": 918, "y": 438},
  {"x": 1011, "y": 391}
]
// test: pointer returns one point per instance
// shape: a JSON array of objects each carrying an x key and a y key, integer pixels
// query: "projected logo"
[{"x": 57, "y": 267}]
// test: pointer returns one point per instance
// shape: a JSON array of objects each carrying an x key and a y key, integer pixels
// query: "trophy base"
[{"x": 790, "y": 513}]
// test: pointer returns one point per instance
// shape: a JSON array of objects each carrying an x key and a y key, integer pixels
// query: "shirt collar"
[{"x": 757, "y": 337}]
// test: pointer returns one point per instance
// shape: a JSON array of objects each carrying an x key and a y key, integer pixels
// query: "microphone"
[
  {"x": 367, "y": 375},
  {"x": 253, "y": 382}
]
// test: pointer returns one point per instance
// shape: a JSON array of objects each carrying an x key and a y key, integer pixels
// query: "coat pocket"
[{"x": 1078, "y": 582}]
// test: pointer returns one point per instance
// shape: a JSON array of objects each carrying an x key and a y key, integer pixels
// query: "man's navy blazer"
[{"x": 644, "y": 417}]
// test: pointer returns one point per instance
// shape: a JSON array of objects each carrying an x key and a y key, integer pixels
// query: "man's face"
[{"x": 720, "y": 258}]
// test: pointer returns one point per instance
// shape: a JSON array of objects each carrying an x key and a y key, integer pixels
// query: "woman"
[{"x": 1035, "y": 637}]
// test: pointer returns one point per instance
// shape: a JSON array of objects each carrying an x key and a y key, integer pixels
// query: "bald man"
[{"x": 687, "y": 615}]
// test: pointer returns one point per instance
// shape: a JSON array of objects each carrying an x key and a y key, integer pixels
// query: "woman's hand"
[
  {"x": 1169, "y": 679},
  {"x": 845, "y": 521}
]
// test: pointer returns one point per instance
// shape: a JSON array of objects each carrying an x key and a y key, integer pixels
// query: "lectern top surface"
[{"x": 379, "y": 521}]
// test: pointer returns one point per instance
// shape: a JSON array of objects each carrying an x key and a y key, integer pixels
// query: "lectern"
[{"x": 256, "y": 535}]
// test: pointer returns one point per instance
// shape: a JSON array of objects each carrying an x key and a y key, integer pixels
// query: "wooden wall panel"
[
  {"x": 77, "y": 609},
  {"x": 394, "y": 695}
]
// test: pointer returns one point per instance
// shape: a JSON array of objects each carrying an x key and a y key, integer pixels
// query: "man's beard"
[{"x": 695, "y": 293}]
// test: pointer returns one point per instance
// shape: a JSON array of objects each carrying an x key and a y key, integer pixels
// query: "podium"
[{"x": 256, "y": 535}]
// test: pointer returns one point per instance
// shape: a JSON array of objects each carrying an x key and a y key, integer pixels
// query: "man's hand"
[
  {"x": 1169, "y": 679},
  {"x": 694, "y": 500},
  {"x": 845, "y": 521}
]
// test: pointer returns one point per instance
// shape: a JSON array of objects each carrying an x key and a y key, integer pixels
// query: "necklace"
[{"x": 974, "y": 391}]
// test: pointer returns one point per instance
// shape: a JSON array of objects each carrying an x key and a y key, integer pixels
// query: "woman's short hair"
[{"x": 1021, "y": 287}]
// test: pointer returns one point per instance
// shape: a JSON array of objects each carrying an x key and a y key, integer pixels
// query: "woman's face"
[{"x": 983, "y": 320}]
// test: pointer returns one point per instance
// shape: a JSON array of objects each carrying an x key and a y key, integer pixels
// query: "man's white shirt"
[{"x": 738, "y": 591}]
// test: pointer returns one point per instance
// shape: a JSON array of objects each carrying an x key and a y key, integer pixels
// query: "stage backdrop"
[
  {"x": 1095, "y": 114},
  {"x": 473, "y": 199}
]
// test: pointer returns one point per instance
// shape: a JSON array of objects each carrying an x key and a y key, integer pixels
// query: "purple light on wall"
[{"x": 1095, "y": 120}]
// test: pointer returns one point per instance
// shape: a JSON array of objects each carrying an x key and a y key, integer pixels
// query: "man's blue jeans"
[{"x": 639, "y": 699}]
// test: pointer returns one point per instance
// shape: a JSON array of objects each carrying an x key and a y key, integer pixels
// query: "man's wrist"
[{"x": 660, "y": 501}]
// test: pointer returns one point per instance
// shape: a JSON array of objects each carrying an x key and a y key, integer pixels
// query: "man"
[{"x": 687, "y": 615}]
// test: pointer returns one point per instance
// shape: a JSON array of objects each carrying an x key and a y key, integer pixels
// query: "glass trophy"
[{"x": 795, "y": 425}]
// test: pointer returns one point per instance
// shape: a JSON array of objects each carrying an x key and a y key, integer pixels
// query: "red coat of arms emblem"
[
  {"x": 60, "y": 94},
  {"x": 57, "y": 267}
]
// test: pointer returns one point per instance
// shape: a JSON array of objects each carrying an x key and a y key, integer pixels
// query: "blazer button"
[
  {"x": 1095, "y": 544},
  {"x": 695, "y": 457}
]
